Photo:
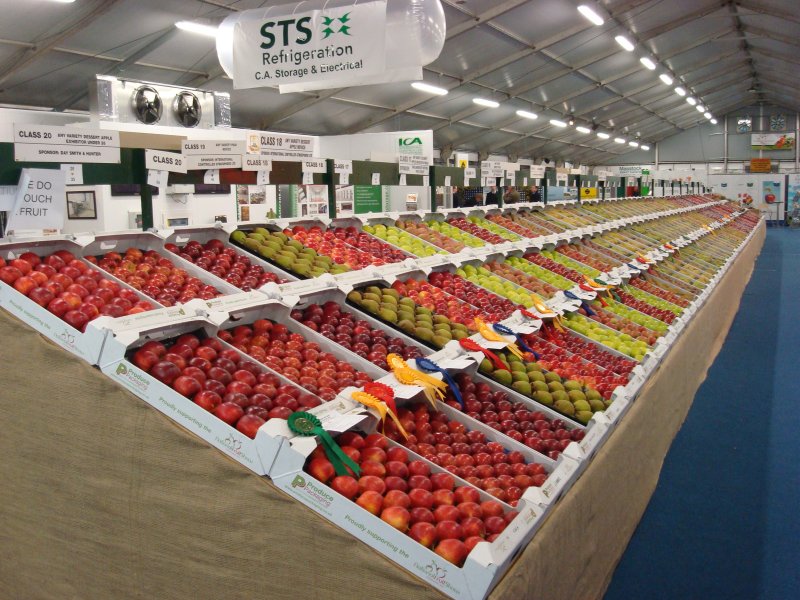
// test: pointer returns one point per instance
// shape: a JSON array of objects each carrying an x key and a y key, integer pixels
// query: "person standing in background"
[
  {"x": 492, "y": 197},
  {"x": 458, "y": 197},
  {"x": 511, "y": 196},
  {"x": 535, "y": 194},
  {"x": 474, "y": 200}
]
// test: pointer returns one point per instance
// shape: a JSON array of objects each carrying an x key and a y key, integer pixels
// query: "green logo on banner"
[{"x": 331, "y": 22}]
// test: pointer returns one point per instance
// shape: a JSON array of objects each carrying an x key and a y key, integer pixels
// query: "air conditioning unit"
[{"x": 130, "y": 101}]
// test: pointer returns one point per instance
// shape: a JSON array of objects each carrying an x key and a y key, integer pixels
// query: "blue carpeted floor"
[{"x": 724, "y": 522}]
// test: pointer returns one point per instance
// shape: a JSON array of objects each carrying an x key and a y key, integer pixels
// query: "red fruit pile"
[
  {"x": 515, "y": 227},
  {"x": 69, "y": 288},
  {"x": 217, "y": 379},
  {"x": 620, "y": 365},
  {"x": 370, "y": 244},
  {"x": 438, "y": 301},
  {"x": 155, "y": 276},
  {"x": 644, "y": 307},
  {"x": 553, "y": 266},
  {"x": 294, "y": 357},
  {"x": 467, "y": 454},
  {"x": 478, "y": 232},
  {"x": 338, "y": 250},
  {"x": 354, "y": 334},
  {"x": 514, "y": 419},
  {"x": 492, "y": 307},
  {"x": 226, "y": 263},
  {"x": 650, "y": 288},
  {"x": 575, "y": 254},
  {"x": 575, "y": 366},
  {"x": 428, "y": 507}
]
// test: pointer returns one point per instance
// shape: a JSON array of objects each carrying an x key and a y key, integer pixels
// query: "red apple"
[
  {"x": 207, "y": 399},
  {"x": 449, "y": 530},
  {"x": 452, "y": 550},
  {"x": 423, "y": 532},
  {"x": 347, "y": 486},
  {"x": 227, "y": 411},
  {"x": 371, "y": 501},
  {"x": 249, "y": 425},
  {"x": 396, "y": 516}
]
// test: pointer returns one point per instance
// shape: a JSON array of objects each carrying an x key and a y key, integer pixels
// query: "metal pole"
[{"x": 725, "y": 147}]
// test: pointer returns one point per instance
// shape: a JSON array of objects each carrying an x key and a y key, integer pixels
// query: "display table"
[{"x": 103, "y": 497}]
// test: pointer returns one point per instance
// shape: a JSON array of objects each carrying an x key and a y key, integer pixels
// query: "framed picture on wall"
[{"x": 81, "y": 205}]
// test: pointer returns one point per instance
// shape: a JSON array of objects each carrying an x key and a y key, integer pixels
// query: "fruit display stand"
[{"x": 184, "y": 500}]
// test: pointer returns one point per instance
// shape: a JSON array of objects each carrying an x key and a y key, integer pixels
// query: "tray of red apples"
[
  {"x": 335, "y": 246},
  {"x": 384, "y": 253},
  {"x": 430, "y": 505},
  {"x": 570, "y": 251},
  {"x": 294, "y": 357},
  {"x": 660, "y": 292},
  {"x": 516, "y": 227},
  {"x": 70, "y": 288},
  {"x": 586, "y": 349},
  {"x": 557, "y": 268},
  {"x": 219, "y": 379},
  {"x": 353, "y": 333},
  {"x": 492, "y": 307},
  {"x": 433, "y": 297},
  {"x": 229, "y": 264},
  {"x": 643, "y": 307},
  {"x": 479, "y": 232}
]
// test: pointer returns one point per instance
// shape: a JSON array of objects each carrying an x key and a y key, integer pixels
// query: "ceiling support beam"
[{"x": 84, "y": 16}]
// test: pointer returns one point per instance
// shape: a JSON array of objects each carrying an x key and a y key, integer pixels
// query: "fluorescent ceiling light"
[
  {"x": 691, "y": 100},
  {"x": 624, "y": 42},
  {"x": 199, "y": 28},
  {"x": 557, "y": 123},
  {"x": 590, "y": 14},
  {"x": 602, "y": 135},
  {"x": 665, "y": 78},
  {"x": 713, "y": 121},
  {"x": 527, "y": 114},
  {"x": 619, "y": 140},
  {"x": 430, "y": 89},
  {"x": 583, "y": 129},
  {"x": 700, "y": 108},
  {"x": 645, "y": 147},
  {"x": 485, "y": 102},
  {"x": 680, "y": 91},
  {"x": 707, "y": 115},
  {"x": 648, "y": 63},
  {"x": 634, "y": 144}
]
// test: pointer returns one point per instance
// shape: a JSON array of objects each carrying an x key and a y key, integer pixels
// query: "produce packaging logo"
[
  {"x": 232, "y": 443},
  {"x": 434, "y": 572},
  {"x": 316, "y": 493},
  {"x": 134, "y": 378}
]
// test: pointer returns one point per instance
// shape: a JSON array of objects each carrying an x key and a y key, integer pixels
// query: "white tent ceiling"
[{"x": 536, "y": 55}]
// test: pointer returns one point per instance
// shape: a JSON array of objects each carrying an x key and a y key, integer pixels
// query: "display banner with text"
[
  {"x": 317, "y": 45},
  {"x": 40, "y": 202}
]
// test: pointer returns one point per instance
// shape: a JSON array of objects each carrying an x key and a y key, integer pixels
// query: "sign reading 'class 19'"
[{"x": 318, "y": 45}]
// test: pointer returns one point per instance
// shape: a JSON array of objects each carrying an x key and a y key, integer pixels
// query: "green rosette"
[{"x": 306, "y": 424}]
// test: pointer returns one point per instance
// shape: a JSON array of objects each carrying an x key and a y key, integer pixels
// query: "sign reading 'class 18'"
[{"x": 318, "y": 45}]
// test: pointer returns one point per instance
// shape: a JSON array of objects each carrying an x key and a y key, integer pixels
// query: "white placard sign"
[
  {"x": 343, "y": 166},
  {"x": 262, "y": 178},
  {"x": 40, "y": 202},
  {"x": 537, "y": 171},
  {"x": 208, "y": 161},
  {"x": 344, "y": 178},
  {"x": 317, "y": 165},
  {"x": 308, "y": 178},
  {"x": 376, "y": 179},
  {"x": 43, "y": 143},
  {"x": 281, "y": 145},
  {"x": 310, "y": 46},
  {"x": 402, "y": 179},
  {"x": 447, "y": 180},
  {"x": 211, "y": 177},
  {"x": 157, "y": 178},
  {"x": 74, "y": 174},
  {"x": 158, "y": 160},
  {"x": 212, "y": 147},
  {"x": 492, "y": 169},
  {"x": 256, "y": 163},
  {"x": 413, "y": 165}
]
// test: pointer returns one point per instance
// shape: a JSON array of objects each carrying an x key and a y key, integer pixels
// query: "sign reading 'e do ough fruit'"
[{"x": 318, "y": 45}]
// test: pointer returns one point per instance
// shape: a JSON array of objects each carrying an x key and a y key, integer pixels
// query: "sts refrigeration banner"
[{"x": 317, "y": 45}]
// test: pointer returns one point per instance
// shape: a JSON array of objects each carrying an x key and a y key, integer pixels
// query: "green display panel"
[{"x": 367, "y": 198}]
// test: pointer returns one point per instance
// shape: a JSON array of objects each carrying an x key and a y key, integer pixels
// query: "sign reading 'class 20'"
[{"x": 321, "y": 45}]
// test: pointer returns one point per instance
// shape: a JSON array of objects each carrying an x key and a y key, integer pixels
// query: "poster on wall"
[
  {"x": 368, "y": 198},
  {"x": 793, "y": 197},
  {"x": 772, "y": 141},
  {"x": 312, "y": 200},
  {"x": 771, "y": 192}
]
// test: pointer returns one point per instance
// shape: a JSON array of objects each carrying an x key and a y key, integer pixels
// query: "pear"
[
  {"x": 502, "y": 376},
  {"x": 523, "y": 387},
  {"x": 565, "y": 407},
  {"x": 543, "y": 397}
]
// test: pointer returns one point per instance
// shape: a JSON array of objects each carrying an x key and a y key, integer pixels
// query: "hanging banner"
[
  {"x": 772, "y": 141},
  {"x": 462, "y": 160},
  {"x": 219, "y": 161},
  {"x": 40, "y": 202},
  {"x": 310, "y": 46},
  {"x": 793, "y": 205},
  {"x": 492, "y": 169},
  {"x": 211, "y": 147},
  {"x": 587, "y": 193},
  {"x": 46, "y": 143},
  {"x": 413, "y": 165},
  {"x": 256, "y": 163},
  {"x": 537, "y": 172}
]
